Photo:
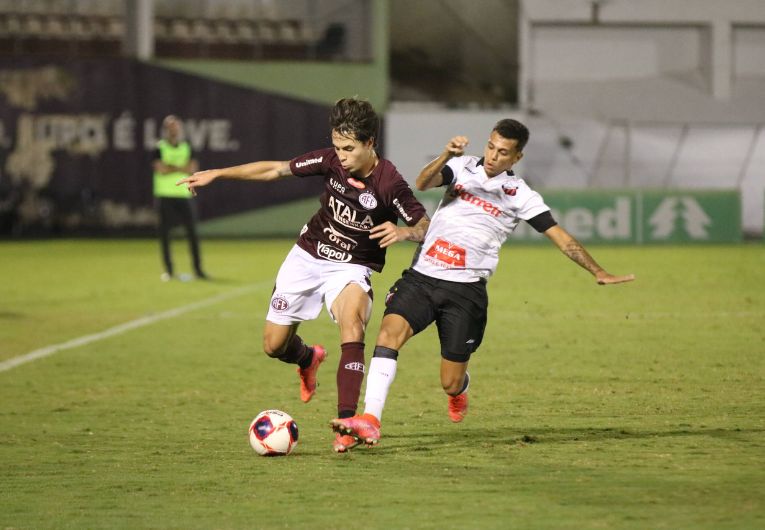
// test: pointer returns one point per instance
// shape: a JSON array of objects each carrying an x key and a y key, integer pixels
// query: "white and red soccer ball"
[{"x": 273, "y": 433}]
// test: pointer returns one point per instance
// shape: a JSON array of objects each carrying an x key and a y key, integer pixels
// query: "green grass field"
[{"x": 633, "y": 406}]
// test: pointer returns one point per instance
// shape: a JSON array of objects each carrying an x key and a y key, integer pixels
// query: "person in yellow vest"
[{"x": 174, "y": 160}]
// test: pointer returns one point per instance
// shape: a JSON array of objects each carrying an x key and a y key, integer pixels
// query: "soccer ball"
[{"x": 273, "y": 433}]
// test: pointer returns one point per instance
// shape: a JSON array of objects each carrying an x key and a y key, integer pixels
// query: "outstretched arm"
[
  {"x": 388, "y": 233},
  {"x": 262, "y": 171},
  {"x": 578, "y": 254},
  {"x": 430, "y": 175}
]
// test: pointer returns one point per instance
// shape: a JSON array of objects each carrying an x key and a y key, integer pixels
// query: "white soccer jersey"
[{"x": 473, "y": 220}]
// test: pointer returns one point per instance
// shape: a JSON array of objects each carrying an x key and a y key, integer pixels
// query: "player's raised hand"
[
  {"x": 200, "y": 178},
  {"x": 456, "y": 146},
  {"x": 605, "y": 278},
  {"x": 388, "y": 233}
]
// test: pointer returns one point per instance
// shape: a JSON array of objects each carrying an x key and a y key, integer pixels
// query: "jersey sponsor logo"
[
  {"x": 279, "y": 303},
  {"x": 309, "y": 161},
  {"x": 343, "y": 241},
  {"x": 446, "y": 254},
  {"x": 355, "y": 366},
  {"x": 510, "y": 191},
  {"x": 336, "y": 185},
  {"x": 332, "y": 254},
  {"x": 367, "y": 200},
  {"x": 356, "y": 183},
  {"x": 485, "y": 205},
  {"x": 404, "y": 215},
  {"x": 347, "y": 216}
]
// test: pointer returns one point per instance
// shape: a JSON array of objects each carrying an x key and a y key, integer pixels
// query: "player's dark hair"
[
  {"x": 355, "y": 118},
  {"x": 513, "y": 130}
]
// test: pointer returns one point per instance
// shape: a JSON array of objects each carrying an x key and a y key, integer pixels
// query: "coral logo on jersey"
[
  {"x": 510, "y": 191},
  {"x": 368, "y": 200},
  {"x": 343, "y": 241},
  {"x": 279, "y": 303},
  {"x": 447, "y": 254},
  {"x": 332, "y": 254},
  {"x": 356, "y": 183}
]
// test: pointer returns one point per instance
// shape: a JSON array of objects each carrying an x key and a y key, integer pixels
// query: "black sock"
[{"x": 297, "y": 353}]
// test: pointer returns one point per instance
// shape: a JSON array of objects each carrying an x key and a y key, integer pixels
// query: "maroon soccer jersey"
[{"x": 350, "y": 207}]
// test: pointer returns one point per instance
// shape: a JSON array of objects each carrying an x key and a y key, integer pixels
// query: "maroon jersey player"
[
  {"x": 351, "y": 206},
  {"x": 339, "y": 247}
]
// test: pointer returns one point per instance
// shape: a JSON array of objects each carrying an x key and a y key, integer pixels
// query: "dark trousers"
[{"x": 172, "y": 212}]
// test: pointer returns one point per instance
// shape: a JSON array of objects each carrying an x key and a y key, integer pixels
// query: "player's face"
[
  {"x": 500, "y": 154},
  {"x": 355, "y": 156},
  {"x": 172, "y": 130}
]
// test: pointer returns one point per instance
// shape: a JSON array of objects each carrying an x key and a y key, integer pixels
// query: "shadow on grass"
[{"x": 456, "y": 436}]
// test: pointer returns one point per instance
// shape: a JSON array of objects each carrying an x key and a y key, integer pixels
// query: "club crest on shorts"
[
  {"x": 279, "y": 303},
  {"x": 368, "y": 200},
  {"x": 389, "y": 296}
]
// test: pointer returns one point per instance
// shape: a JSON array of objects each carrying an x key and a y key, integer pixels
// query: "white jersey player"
[
  {"x": 474, "y": 218},
  {"x": 483, "y": 203}
]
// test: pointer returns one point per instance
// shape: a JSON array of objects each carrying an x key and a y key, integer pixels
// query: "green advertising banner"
[
  {"x": 655, "y": 216},
  {"x": 683, "y": 216},
  {"x": 637, "y": 216}
]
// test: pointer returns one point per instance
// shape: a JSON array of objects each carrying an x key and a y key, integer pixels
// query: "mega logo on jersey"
[{"x": 446, "y": 254}]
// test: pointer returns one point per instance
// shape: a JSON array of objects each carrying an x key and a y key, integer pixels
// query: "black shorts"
[{"x": 459, "y": 310}]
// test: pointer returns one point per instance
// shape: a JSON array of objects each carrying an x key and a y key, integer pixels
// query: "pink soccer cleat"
[
  {"x": 344, "y": 443},
  {"x": 366, "y": 428},
  {"x": 308, "y": 375},
  {"x": 458, "y": 406}
]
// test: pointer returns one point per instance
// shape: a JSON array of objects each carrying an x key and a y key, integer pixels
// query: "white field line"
[{"x": 122, "y": 328}]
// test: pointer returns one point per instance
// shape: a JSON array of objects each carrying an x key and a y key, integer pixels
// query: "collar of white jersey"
[{"x": 506, "y": 175}]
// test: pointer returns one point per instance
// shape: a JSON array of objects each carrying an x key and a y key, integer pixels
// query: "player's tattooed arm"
[
  {"x": 430, "y": 176},
  {"x": 416, "y": 233},
  {"x": 388, "y": 233},
  {"x": 579, "y": 255}
]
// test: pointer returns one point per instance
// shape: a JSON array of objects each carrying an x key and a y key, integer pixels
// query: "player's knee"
[
  {"x": 394, "y": 332},
  {"x": 272, "y": 347},
  {"x": 388, "y": 338},
  {"x": 452, "y": 385},
  {"x": 353, "y": 326}
]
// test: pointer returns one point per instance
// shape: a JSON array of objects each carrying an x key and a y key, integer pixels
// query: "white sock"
[{"x": 382, "y": 372}]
